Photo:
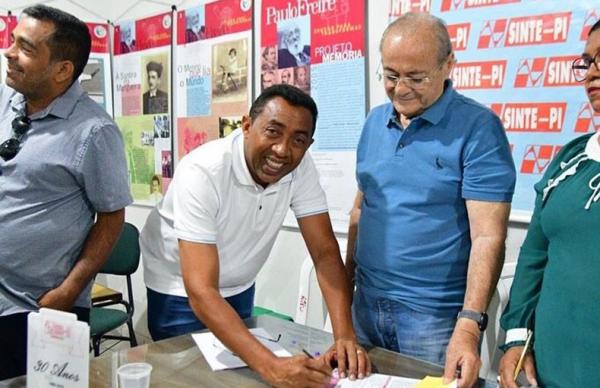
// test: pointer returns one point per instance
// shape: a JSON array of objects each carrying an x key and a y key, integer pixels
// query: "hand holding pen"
[{"x": 517, "y": 359}]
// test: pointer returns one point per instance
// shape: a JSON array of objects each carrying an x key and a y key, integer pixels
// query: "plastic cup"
[{"x": 135, "y": 375}]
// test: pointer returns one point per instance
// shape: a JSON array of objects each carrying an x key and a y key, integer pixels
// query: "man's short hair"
[
  {"x": 289, "y": 93},
  {"x": 412, "y": 19},
  {"x": 70, "y": 40},
  {"x": 154, "y": 66}
]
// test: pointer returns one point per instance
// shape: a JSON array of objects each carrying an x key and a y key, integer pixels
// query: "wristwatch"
[{"x": 480, "y": 318}]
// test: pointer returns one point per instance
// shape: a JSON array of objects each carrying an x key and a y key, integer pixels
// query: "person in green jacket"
[{"x": 556, "y": 289}]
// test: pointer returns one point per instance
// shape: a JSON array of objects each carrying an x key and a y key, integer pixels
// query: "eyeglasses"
[
  {"x": 581, "y": 66},
  {"x": 10, "y": 148},
  {"x": 415, "y": 83}
]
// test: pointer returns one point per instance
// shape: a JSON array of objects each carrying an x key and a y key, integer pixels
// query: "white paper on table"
[
  {"x": 221, "y": 358},
  {"x": 377, "y": 380}
]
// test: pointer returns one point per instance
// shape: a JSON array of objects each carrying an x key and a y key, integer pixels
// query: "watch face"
[{"x": 483, "y": 321}]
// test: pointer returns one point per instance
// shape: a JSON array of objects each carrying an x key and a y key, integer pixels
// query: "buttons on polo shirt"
[{"x": 401, "y": 145}]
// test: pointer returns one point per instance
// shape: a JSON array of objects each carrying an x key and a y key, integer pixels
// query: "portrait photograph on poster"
[
  {"x": 302, "y": 78},
  {"x": 268, "y": 59},
  {"x": 127, "y": 43},
  {"x": 286, "y": 76},
  {"x": 229, "y": 71},
  {"x": 194, "y": 24},
  {"x": 155, "y": 84},
  {"x": 294, "y": 42},
  {"x": 268, "y": 78}
]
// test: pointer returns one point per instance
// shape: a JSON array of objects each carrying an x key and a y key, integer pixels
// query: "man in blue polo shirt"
[{"x": 435, "y": 178}]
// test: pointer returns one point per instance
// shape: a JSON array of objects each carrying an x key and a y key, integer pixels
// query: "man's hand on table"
[
  {"x": 351, "y": 359},
  {"x": 298, "y": 371}
]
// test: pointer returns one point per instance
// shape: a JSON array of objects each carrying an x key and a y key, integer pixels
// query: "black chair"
[{"x": 124, "y": 261}]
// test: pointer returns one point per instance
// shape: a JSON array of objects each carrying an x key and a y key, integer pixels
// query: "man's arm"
[
  {"x": 352, "y": 233},
  {"x": 324, "y": 250},
  {"x": 488, "y": 223},
  {"x": 98, "y": 246},
  {"x": 200, "y": 269}
]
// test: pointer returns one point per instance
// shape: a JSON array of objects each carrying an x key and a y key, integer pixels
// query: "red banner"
[
  {"x": 7, "y": 25},
  {"x": 214, "y": 19},
  {"x": 99, "y": 34},
  {"x": 532, "y": 117},
  {"x": 154, "y": 31},
  {"x": 547, "y": 72},
  {"x": 479, "y": 75},
  {"x": 452, "y": 5},
  {"x": 336, "y": 29}
]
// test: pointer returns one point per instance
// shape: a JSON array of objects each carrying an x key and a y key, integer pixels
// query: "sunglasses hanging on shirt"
[{"x": 10, "y": 148}]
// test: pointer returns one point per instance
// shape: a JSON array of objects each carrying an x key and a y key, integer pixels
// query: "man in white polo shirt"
[{"x": 204, "y": 244}]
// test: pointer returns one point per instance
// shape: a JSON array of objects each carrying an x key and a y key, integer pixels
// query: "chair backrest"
[{"x": 125, "y": 256}]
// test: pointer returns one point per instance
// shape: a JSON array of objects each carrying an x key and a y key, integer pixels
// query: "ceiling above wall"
[{"x": 94, "y": 10}]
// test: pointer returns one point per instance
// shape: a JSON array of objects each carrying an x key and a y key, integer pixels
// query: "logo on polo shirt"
[
  {"x": 524, "y": 31},
  {"x": 449, "y": 5},
  {"x": 587, "y": 119},
  {"x": 459, "y": 35},
  {"x": 479, "y": 75},
  {"x": 547, "y": 72},
  {"x": 590, "y": 18},
  {"x": 537, "y": 157},
  {"x": 400, "y": 7},
  {"x": 531, "y": 117}
]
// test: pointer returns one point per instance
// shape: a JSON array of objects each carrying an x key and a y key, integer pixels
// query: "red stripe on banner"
[
  {"x": 400, "y": 7},
  {"x": 538, "y": 29},
  {"x": 227, "y": 17},
  {"x": 459, "y": 35},
  {"x": 532, "y": 117},
  {"x": 479, "y": 75},
  {"x": 154, "y": 31},
  {"x": 547, "y": 72},
  {"x": 451, "y": 5}
]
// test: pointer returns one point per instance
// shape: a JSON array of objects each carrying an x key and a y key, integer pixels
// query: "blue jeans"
[
  {"x": 392, "y": 325},
  {"x": 170, "y": 315}
]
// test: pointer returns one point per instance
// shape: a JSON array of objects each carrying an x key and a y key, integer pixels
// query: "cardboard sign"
[{"x": 57, "y": 350}]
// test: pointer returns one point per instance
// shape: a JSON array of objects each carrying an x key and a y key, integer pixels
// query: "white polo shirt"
[{"x": 214, "y": 200}]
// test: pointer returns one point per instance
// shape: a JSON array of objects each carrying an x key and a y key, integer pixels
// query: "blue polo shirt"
[{"x": 413, "y": 236}]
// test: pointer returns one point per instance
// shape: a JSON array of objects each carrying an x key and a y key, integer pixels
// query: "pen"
[
  {"x": 522, "y": 358},
  {"x": 307, "y": 353}
]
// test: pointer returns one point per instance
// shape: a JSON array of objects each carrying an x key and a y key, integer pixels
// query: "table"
[
  {"x": 102, "y": 293},
  {"x": 177, "y": 362}
]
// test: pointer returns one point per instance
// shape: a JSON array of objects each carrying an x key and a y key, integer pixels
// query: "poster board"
[
  {"x": 96, "y": 79},
  {"x": 320, "y": 47},
  {"x": 142, "y": 102},
  {"x": 213, "y": 64},
  {"x": 515, "y": 57}
]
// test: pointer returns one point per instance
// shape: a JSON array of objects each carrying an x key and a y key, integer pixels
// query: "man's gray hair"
[{"x": 411, "y": 21}]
